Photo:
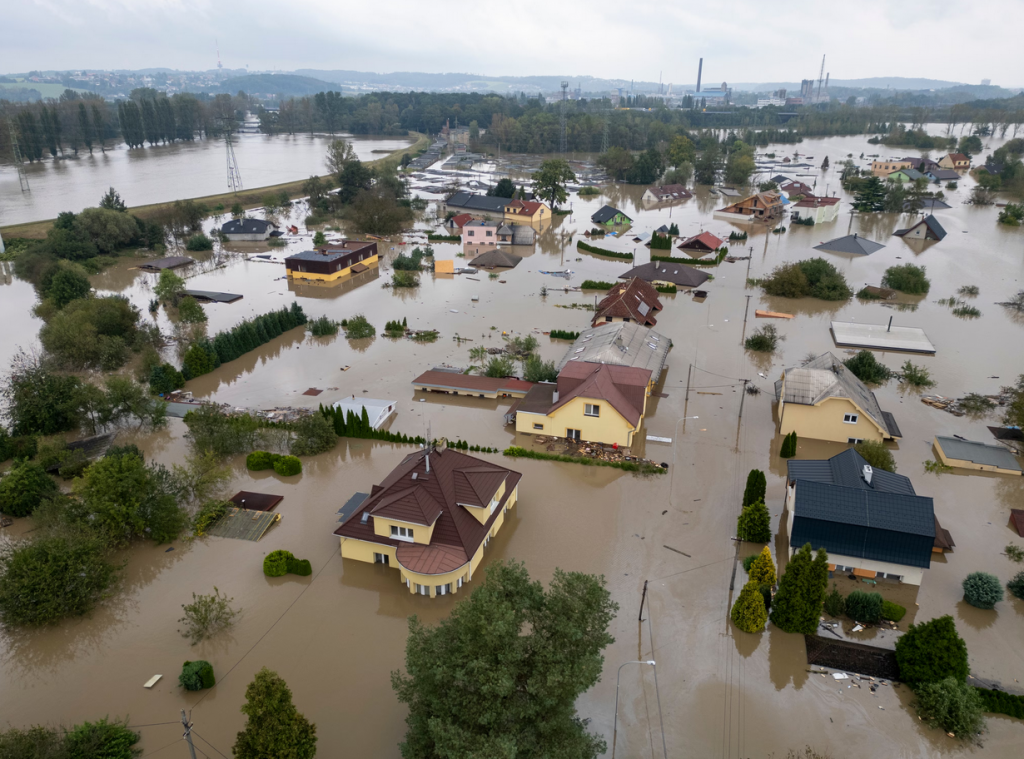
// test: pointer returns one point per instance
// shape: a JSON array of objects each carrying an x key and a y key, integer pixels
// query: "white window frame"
[
  {"x": 854, "y": 440},
  {"x": 422, "y": 590},
  {"x": 443, "y": 590},
  {"x": 851, "y": 418},
  {"x": 402, "y": 533},
  {"x": 381, "y": 558},
  {"x": 538, "y": 426},
  {"x": 592, "y": 407}
]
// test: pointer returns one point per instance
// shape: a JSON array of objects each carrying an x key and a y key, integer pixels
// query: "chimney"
[
  {"x": 554, "y": 397},
  {"x": 867, "y": 472},
  {"x": 427, "y": 459}
]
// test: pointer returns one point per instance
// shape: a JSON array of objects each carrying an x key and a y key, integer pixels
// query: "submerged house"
[
  {"x": 634, "y": 301},
  {"x": 665, "y": 193},
  {"x": 431, "y": 518},
  {"x": 480, "y": 232},
  {"x": 332, "y": 261},
  {"x": 955, "y": 161},
  {"x": 661, "y": 273},
  {"x": 761, "y": 206},
  {"x": 377, "y": 411},
  {"x": 820, "y": 210},
  {"x": 610, "y": 217},
  {"x": 982, "y": 457},
  {"x": 926, "y": 229},
  {"x": 705, "y": 242},
  {"x": 824, "y": 400},
  {"x": 247, "y": 230},
  {"x": 871, "y": 522}
]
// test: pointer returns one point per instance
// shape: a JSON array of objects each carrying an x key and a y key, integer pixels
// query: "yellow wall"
[
  {"x": 331, "y": 277},
  {"x": 360, "y": 550},
  {"x": 609, "y": 427},
  {"x": 825, "y": 421},
  {"x": 483, "y": 513},
  {"x": 420, "y": 534}
]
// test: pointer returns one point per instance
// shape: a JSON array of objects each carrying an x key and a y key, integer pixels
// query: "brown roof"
[
  {"x": 636, "y": 300},
  {"x": 671, "y": 191},
  {"x": 256, "y": 501},
  {"x": 460, "y": 220},
  {"x": 538, "y": 400},
  {"x": 943, "y": 539},
  {"x": 958, "y": 157},
  {"x": 1017, "y": 515},
  {"x": 814, "y": 202},
  {"x": 703, "y": 240},
  {"x": 411, "y": 493},
  {"x": 624, "y": 387},
  {"x": 471, "y": 382},
  {"x": 525, "y": 207}
]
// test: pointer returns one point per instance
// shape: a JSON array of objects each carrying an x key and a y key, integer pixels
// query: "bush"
[
  {"x": 867, "y": 368},
  {"x": 748, "y": 562},
  {"x": 754, "y": 523},
  {"x": 250, "y": 334},
  {"x": 932, "y": 651},
  {"x": 536, "y": 369},
  {"x": 561, "y": 334},
  {"x": 835, "y": 603},
  {"x": 876, "y": 454},
  {"x": 815, "y": 277},
  {"x": 749, "y": 613},
  {"x": 982, "y": 590},
  {"x": 300, "y": 567},
  {"x": 802, "y": 590},
  {"x": 22, "y": 489},
  {"x": 323, "y": 327},
  {"x": 199, "y": 359},
  {"x": 206, "y": 616},
  {"x": 196, "y": 675},
  {"x": 313, "y": 435},
  {"x": 404, "y": 279},
  {"x": 591, "y": 284},
  {"x": 275, "y": 564},
  {"x": 358, "y": 328},
  {"x": 190, "y": 311},
  {"x": 515, "y": 451},
  {"x": 892, "y": 611},
  {"x": 764, "y": 339},
  {"x": 164, "y": 379},
  {"x": 1016, "y": 585},
  {"x": 762, "y": 569},
  {"x": 952, "y": 705},
  {"x": 207, "y": 516},
  {"x": 998, "y": 702},
  {"x": 906, "y": 278},
  {"x": 198, "y": 242},
  {"x": 394, "y": 329},
  {"x": 917, "y": 376},
  {"x": 864, "y": 607},
  {"x": 788, "y": 449},
  {"x": 499, "y": 366},
  {"x": 288, "y": 466}
]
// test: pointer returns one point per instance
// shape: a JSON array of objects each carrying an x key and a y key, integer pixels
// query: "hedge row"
[
  {"x": 514, "y": 451},
  {"x": 719, "y": 257},
  {"x": 443, "y": 238},
  {"x": 580, "y": 245},
  {"x": 593, "y": 284},
  {"x": 997, "y": 702},
  {"x": 666, "y": 289},
  {"x": 561, "y": 334}
]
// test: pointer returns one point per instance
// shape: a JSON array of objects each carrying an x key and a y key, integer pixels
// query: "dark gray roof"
[
  {"x": 246, "y": 227},
  {"x": 494, "y": 258},
  {"x": 477, "y": 202},
  {"x": 929, "y": 221},
  {"x": 927, "y": 203},
  {"x": 678, "y": 274},
  {"x": 864, "y": 523},
  {"x": 978, "y": 453},
  {"x": 850, "y": 244},
  {"x": 606, "y": 213},
  {"x": 947, "y": 174},
  {"x": 213, "y": 296},
  {"x": 315, "y": 255},
  {"x": 846, "y": 469},
  {"x": 170, "y": 262}
]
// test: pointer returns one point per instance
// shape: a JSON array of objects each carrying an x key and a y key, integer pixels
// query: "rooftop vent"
[
  {"x": 365, "y": 518},
  {"x": 554, "y": 397},
  {"x": 414, "y": 475},
  {"x": 868, "y": 472}
]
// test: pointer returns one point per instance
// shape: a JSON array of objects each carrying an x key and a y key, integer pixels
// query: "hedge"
[
  {"x": 580, "y": 245},
  {"x": 719, "y": 257},
  {"x": 592, "y": 284},
  {"x": 288, "y": 466},
  {"x": 257, "y": 461},
  {"x": 196, "y": 675},
  {"x": 561, "y": 334},
  {"x": 892, "y": 611},
  {"x": 997, "y": 702},
  {"x": 280, "y": 563},
  {"x": 514, "y": 451},
  {"x": 666, "y": 289},
  {"x": 443, "y": 238}
]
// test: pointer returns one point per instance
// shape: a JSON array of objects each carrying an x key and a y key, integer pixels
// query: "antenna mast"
[
  {"x": 219, "y": 64},
  {"x": 821, "y": 76},
  {"x": 561, "y": 140},
  {"x": 18, "y": 160},
  {"x": 234, "y": 175}
]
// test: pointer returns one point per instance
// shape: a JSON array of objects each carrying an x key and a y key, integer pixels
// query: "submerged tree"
[
  {"x": 273, "y": 726},
  {"x": 797, "y": 606}
]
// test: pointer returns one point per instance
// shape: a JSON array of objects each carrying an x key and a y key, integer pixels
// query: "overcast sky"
[{"x": 740, "y": 41}]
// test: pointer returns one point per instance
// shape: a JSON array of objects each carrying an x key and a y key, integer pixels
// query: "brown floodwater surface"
[{"x": 336, "y": 636}]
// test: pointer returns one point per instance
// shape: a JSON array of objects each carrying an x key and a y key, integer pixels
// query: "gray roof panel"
[{"x": 978, "y": 453}]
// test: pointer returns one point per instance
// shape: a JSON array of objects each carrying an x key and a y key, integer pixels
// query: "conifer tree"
[
  {"x": 756, "y": 487},
  {"x": 762, "y": 571},
  {"x": 754, "y": 523},
  {"x": 802, "y": 589},
  {"x": 273, "y": 726},
  {"x": 748, "y": 613}
]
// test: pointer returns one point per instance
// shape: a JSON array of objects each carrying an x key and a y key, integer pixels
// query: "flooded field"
[
  {"x": 168, "y": 172},
  {"x": 336, "y": 635}
]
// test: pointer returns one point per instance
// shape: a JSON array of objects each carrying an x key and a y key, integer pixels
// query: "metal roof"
[
  {"x": 978, "y": 453},
  {"x": 606, "y": 213},
  {"x": 246, "y": 227},
  {"x": 934, "y": 228},
  {"x": 864, "y": 523},
  {"x": 850, "y": 244},
  {"x": 621, "y": 343},
  {"x": 881, "y": 337},
  {"x": 846, "y": 469}
]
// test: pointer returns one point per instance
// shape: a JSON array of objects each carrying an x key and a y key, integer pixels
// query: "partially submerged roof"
[
  {"x": 933, "y": 203},
  {"x": 984, "y": 454},
  {"x": 247, "y": 227},
  {"x": 864, "y": 523},
  {"x": 660, "y": 271},
  {"x": 850, "y": 244},
  {"x": 934, "y": 230},
  {"x": 471, "y": 383},
  {"x": 477, "y": 202},
  {"x": 246, "y": 499},
  {"x": 703, "y": 240},
  {"x": 881, "y": 337},
  {"x": 498, "y": 257},
  {"x": 620, "y": 343},
  {"x": 670, "y": 192},
  {"x": 827, "y": 377},
  {"x": 211, "y": 296},
  {"x": 606, "y": 213},
  {"x": 846, "y": 469},
  {"x": 623, "y": 387},
  {"x": 636, "y": 300},
  {"x": 170, "y": 262}
]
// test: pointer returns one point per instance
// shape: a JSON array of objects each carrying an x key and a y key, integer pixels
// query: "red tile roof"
[
  {"x": 959, "y": 157},
  {"x": 460, "y": 219},
  {"x": 624, "y": 387},
  {"x": 411, "y": 493},
  {"x": 636, "y": 300},
  {"x": 703, "y": 240},
  {"x": 525, "y": 207},
  {"x": 815, "y": 202}
]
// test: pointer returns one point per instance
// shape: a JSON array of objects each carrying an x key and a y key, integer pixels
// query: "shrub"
[
  {"x": 275, "y": 563},
  {"x": 499, "y": 366},
  {"x": 358, "y": 328},
  {"x": 788, "y": 449},
  {"x": 892, "y": 611},
  {"x": 590, "y": 284},
  {"x": 952, "y": 705},
  {"x": 323, "y": 326},
  {"x": 814, "y": 277},
  {"x": 864, "y": 607},
  {"x": 300, "y": 567},
  {"x": 835, "y": 603},
  {"x": 313, "y": 435},
  {"x": 200, "y": 359},
  {"x": 877, "y": 455},
  {"x": 802, "y": 589},
  {"x": 748, "y": 562},
  {"x": 190, "y": 311},
  {"x": 288, "y": 466},
  {"x": 764, "y": 339},
  {"x": 199, "y": 242},
  {"x": 164, "y": 379},
  {"x": 998, "y": 702},
  {"x": 867, "y": 368},
  {"x": 206, "y": 616},
  {"x": 561, "y": 334},
  {"x": 22, "y": 489},
  {"x": 1016, "y": 585},
  {"x": 196, "y": 675},
  {"x": 404, "y": 279},
  {"x": 207, "y": 516},
  {"x": 932, "y": 651},
  {"x": 982, "y": 590},
  {"x": 394, "y": 329},
  {"x": 257, "y": 461},
  {"x": 754, "y": 523},
  {"x": 906, "y": 278},
  {"x": 916, "y": 376},
  {"x": 749, "y": 613},
  {"x": 762, "y": 569},
  {"x": 515, "y": 451},
  {"x": 1014, "y": 553}
]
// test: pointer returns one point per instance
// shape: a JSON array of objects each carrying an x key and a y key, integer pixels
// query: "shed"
[
  {"x": 211, "y": 296},
  {"x": 970, "y": 454},
  {"x": 170, "y": 262},
  {"x": 256, "y": 501},
  {"x": 377, "y": 411},
  {"x": 881, "y": 337}
]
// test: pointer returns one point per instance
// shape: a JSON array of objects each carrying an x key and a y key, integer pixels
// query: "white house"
[
  {"x": 377, "y": 411},
  {"x": 247, "y": 230},
  {"x": 819, "y": 209}
]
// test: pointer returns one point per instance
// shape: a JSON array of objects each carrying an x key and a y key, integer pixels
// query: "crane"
[{"x": 820, "y": 77}]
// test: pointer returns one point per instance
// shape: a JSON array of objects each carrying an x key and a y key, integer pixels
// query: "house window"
[
  {"x": 573, "y": 434},
  {"x": 850, "y": 418},
  {"x": 381, "y": 558},
  {"x": 402, "y": 533},
  {"x": 460, "y": 582},
  {"x": 591, "y": 409},
  {"x": 443, "y": 590},
  {"x": 423, "y": 590},
  {"x": 489, "y": 233},
  {"x": 538, "y": 426},
  {"x": 854, "y": 440},
  {"x": 471, "y": 233}
]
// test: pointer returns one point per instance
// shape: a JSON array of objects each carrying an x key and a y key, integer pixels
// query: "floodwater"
[
  {"x": 168, "y": 172},
  {"x": 337, "y": 635}
]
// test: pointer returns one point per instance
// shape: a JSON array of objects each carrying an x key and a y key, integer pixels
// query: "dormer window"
[{"x": 401, "y": 533}]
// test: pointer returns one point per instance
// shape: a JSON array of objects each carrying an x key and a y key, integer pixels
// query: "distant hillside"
[{"x": 289, "y": 85}]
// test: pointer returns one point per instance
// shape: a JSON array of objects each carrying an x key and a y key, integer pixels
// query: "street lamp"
[{"x": 615, "y": 726}]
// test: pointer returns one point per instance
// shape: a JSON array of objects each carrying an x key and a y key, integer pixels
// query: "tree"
[
  {"x": 319, "y": 239},
  {"x": 340, "y": 154},
  {"x": 616, "y": 161},
  {"x": 313, "y": 435},
  {"x": 756, "y": 487},
  {"x": 505, "y": 188},
  {"x": 953, "y": 706},
  {"x": 740, "y": 164},
  {"x": 867, "y": 368},
  {"x": 788, "y": 449},
  {"x": 550, "y": 180},
  {"x": 501, "y": 675},
  {"x": 648, "y": 166},
  {"x": 876, "y": 454},
  {"x": 1014, "y": 414},
  {"x": 23, "y": 487},
  {"x": 273, "y": 726},
  {"x": 907, "y": 278},
  {"x": 169, "y": 287},
  {"x": 762, "y": 571},
  {"x": 932, "y": 651},
  {"x": 536, "y": 369},
  {"x": 982, "y": 590},
  {"x": 499, "y": 366},
  {"x": 824, "y": 164},
  {"x": 376, "y": 212},
  {"x": 190, "y": 311},
  {"x": 38, "y": 401},
  {"x": 754, "y": 523},
  {"x": 206, "y": 616},
  {"x": 112, "y": 201},
  {"x": 681, "y": 151},
  {"x": 708, "y": 163},
  {"x": 870, "y": 196},
  {"x": 802, "y": 588},
  {"x": 970, "y": 145},
  {"x": 748, "y": 613},
  {"x": 66, "y": 285}
]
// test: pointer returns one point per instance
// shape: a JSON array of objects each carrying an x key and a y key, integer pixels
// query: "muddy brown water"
[{"x": 335, "y": 636}]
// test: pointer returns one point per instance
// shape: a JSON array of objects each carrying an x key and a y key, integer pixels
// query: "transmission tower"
[
  {"x": 234, "y": 175},
  {"x": 604, "y": 137},
  {"x": 18, "y": 160},
  {"x": 561, "y": 141}
]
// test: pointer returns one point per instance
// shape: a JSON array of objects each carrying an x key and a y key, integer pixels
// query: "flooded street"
[
  {"x": 168, "y": 172},
  {"x": 335, "y": 636}
]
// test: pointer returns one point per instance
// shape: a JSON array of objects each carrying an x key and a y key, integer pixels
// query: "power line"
[
  {"x": 197, "y": 735},
  {"x": 161, "y": 749},
  {"x": 153, "y": 724}
]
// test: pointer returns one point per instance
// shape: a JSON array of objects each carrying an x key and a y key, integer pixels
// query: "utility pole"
[
  {"x": 18, "y": 160},
  {"x": 640, "y": 624},
  {"x": 688, "y": 373},
  {"x": 744, "y": 397},
  {"x": 188, "y": 733}
]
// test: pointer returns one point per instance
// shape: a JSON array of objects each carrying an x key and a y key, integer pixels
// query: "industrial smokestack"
[
  {"x": 700, "y": 70},
  {"x": 826, "y": 81}
]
